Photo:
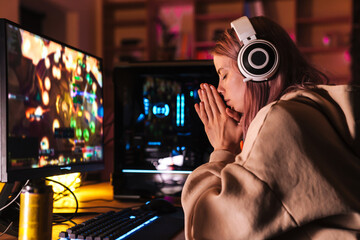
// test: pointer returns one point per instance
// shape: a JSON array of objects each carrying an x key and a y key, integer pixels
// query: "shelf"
[
  {"x": 309, "y": 20},
  {"x": 205, "y": 44},
  {"x": 323, "y": 20},
  {"x": 310, "y": 50},
  {"x": 126, "y": 23},
  {"x": 125, "y": 49},
  {"x": 215, "y": 1},
  {"x": 123, "y": 3},
  {"x": 217, "y": 17},
  {"x": 171, "y": 2},
  {"x": 323, "y": 30}
]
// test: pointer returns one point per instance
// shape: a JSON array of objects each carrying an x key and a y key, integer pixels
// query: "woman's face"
[{"x": 231, "y": 84}]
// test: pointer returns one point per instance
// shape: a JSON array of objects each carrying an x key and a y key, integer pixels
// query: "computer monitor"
[
  {"x": 51, "y": 106},
  {"x": 159, "y": 139}
]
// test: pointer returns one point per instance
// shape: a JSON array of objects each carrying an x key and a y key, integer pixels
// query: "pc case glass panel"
[{"x": 160, "y": 138}]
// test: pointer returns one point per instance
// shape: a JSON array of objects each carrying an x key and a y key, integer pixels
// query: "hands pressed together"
[{"x": 222, "y": 124}]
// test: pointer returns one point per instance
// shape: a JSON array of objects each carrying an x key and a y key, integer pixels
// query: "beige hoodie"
[{"x": 298, "y": 176}]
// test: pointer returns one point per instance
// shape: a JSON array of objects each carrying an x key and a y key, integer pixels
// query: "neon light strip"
[
  {"x": 154, "y": 171},
  {"x": 182, "y": 109},
  {"x": 137, "y": 228},
  {"x": 178, "y": 110},
  {"x": 146, "y": 106}
]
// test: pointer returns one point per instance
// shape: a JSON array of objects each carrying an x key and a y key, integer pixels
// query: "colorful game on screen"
[{"x": 55, "y": 113}]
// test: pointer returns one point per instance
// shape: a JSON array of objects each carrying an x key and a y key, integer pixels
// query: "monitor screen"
[
  {"x": 159, "y": 137},
  {"x": 52, "y": 106}
]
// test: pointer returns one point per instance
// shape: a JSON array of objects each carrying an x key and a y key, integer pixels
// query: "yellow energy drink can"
[{"x": 36, "y": 206}]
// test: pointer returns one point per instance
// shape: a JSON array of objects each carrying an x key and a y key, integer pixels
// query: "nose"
[{"x": 220, "y": 88}]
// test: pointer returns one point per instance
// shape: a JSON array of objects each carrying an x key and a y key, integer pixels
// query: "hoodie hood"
[{"x": 341, "y": 105}]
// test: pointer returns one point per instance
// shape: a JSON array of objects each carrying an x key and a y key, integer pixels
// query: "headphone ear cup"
[{"x": 258, "y": 60}]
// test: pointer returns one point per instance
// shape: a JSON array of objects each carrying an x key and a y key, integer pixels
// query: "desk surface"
[{"x": 93, "y": 199}]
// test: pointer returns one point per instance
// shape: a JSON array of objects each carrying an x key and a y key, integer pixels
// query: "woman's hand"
[{"x": 221, "y": 124}]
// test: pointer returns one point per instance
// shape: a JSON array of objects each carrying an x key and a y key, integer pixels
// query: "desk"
[{"x": 93, "y": 199}]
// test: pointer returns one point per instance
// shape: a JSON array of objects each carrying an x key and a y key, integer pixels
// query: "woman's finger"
[
  {"x": 206, "y": 104},
  {"x": 200, "y": 110},
  {"x": 218, "y": 100},
  {"x": 199, "y": 93},
  {"x": 203, "y": 114},
  {"x": 211, "y": 100},
  {"x": 233, "y": 114}
]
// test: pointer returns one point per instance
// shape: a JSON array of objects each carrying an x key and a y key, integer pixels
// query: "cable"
[
  {"x": 67, "y": 219},
  {"x": 59, "y": 196},
  {"x": 77, "y": 203},
  {"x": 14, "y": 198},
  {"x": 7, "y": 228}
]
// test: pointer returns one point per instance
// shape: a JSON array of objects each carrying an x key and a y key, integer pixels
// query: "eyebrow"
[{"x": 219, "y": 71}]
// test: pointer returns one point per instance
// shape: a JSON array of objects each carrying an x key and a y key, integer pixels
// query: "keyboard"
[{"x": 130, "y": 223}]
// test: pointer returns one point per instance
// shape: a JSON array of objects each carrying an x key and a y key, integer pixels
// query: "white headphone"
[{"x": 258, "y": 59}]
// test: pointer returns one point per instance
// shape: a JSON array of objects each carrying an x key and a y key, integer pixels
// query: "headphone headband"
[
  {"x": 258, "y": 59},
  {"x": 244, "y": 30}
]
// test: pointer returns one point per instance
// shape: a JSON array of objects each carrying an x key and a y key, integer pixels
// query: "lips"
[{"x": 227, "y": 102}]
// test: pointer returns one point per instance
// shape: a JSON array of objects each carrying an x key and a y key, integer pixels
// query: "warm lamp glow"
[{"x": 71, "y": 180}]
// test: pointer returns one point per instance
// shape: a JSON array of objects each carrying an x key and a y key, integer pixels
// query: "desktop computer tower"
[{"x": 158, "y": 138}]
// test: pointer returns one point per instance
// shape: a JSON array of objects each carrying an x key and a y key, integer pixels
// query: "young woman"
[{"x": 297, "y": 175}]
